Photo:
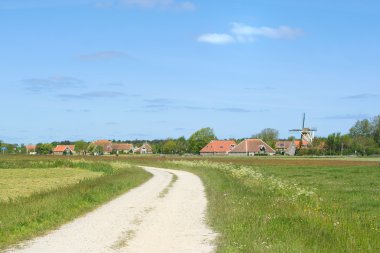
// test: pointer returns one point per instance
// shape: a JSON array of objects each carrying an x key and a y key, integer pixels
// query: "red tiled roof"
[
  {"x": 105, "y": 144},
  {"x": 122, "y": 146},
  {"x": 62, "y": 148},
  {"x": 218, "y": 147},
  {"x": 102, "y": 142},
  {"x": 298, "y": 143},
  {"x": 252, "y": 146},
  {"x": 30, "y": 147}
]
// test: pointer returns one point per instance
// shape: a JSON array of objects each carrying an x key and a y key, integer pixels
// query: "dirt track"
[{"x": 162, "y": 215}]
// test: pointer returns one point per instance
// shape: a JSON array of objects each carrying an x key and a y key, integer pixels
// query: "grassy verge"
[
  {"x": 26, "y": 217},
  {"x": 291, "y": 208}
]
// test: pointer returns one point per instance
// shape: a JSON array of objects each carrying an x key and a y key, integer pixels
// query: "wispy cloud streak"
[
  {"x": 242, "y": 33},
  {"x": 163, "y": 104},
  {"x": 363, "y": 96},
  {"x": 93, "y": 95},
  {"x": 52, "y": 83}
]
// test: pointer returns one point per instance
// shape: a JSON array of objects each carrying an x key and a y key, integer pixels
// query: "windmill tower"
[{"x": 307, "y": 134}]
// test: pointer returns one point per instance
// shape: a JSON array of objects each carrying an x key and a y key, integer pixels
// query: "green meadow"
[
  {"x": 255, "y": 204},
  {"x": 289, "y": 205}
]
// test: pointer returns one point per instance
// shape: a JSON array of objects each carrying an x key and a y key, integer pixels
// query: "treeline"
[
  {"x": 362, "y": 139},
  {"x": 169, "y": 146}
]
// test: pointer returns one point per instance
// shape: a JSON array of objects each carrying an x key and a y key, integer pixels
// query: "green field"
[
  {"x": 39, "y": 194},
  {"x": 255, "y": 204},
  {"x": 289, "y": 205}
]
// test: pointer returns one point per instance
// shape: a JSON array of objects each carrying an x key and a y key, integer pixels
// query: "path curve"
[{"x": 165, "y": 214}]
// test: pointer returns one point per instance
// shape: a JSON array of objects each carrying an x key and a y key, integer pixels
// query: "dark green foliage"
[
  {"x": 44, "y": 148},
  {"x": 268, "y": 135},
  {"x": 201, "y": 138}
]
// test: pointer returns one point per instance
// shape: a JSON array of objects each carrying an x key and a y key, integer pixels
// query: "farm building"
[
  {"x": 31, "y": 149},
  {"x": 64, "y": 150},
  {"x": 105, "y": 144},
  {"x": 109, "y": 147},
  {"x": 218, "y": 148},
  {"x": 303, "y": 144},
  {"x": 144, "y": 149},
  {"x": 251, "y": 147},
  {"x": 122, "y": 148},
  {"x": 286, "y": 147}
]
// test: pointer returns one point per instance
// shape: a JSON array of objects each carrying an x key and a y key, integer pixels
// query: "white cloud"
[
  {"x": 282, "y": 32},
  {"x": 166, "y": 4},
  {"x": 241, "y": 33},
  {"x": 216, "y": 38}
]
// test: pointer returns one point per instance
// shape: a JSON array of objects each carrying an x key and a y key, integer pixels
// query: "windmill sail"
[{"x": 307, "y": 134}]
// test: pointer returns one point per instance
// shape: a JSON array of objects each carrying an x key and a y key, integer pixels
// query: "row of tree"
[{"x": 362, "y": 139}]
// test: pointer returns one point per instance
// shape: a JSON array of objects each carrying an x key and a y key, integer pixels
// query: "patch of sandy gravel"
[{"x": 142, "y": 220}]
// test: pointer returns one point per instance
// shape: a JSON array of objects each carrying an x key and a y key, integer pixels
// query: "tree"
[
  {"x": 361, "y": 128},
  {"x": 22, "y": 149},
  {"x": 157, "y": 147},
  {"x": 182, "y": 145},
  {"x": 376, "y": 129},
  {"x": 81, "y": 147},
  {"x": 366, "y": 136},
  {"x": 333, "y": 143},
  {"x": 200, "y": 138},
  {"x": 44, "y": 148},
  {"x": 269, "y": 135},
  {"x": 169, "y": 147},
  {"x": 95, "y": 149}
]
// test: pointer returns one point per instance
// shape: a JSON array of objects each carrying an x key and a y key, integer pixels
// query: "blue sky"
[{"x": 127, "y": 69}]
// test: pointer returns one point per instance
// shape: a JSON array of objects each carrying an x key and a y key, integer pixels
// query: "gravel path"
[{"x": 166, "y": 214}]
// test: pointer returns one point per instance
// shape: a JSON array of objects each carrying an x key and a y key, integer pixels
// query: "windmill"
[{"x": 307, "y": 134}]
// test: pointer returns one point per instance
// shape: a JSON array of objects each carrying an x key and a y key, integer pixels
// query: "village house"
[
  {"x": 286, "y": 147},
  {"x": 106, "y": 146},
  {"x": 31, "y": 149},
  {"x": 122, "y": 148},
  {"x": 144, "y": 149},
  {"x": 217, "y": 147},
  {"x": 251, "y": 147},
  {"x": 64, "y": 150},
  {"x": 303, "y": 144}
]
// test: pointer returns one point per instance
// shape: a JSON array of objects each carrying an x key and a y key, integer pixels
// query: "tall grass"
[
  {"x": 27, "y": 217},
  {"x": 259, "y": 210},
  {"x": 289, "y": 208}
]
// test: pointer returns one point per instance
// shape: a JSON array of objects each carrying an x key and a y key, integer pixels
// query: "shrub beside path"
[{"x": 165, "y": 214}]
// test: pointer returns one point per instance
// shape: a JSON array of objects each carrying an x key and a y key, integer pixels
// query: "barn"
[
  {"x": 64, "y": 150},
  {"x": 251, "y": 147},
  {"x": 217, "y": 147},
  {"x": 286, "y": 147}
]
